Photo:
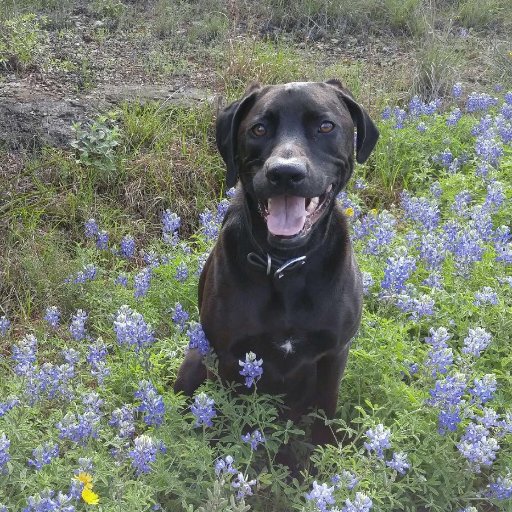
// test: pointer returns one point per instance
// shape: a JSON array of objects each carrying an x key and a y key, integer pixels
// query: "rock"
[{"x": 31, "y": 118}]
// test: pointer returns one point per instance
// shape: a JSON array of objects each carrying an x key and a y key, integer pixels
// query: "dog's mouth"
[{"x": 293, "y": 216}]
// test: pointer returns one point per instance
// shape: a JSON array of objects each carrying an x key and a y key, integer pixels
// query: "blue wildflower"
[
  {"x": 321, "y": 495},
  {"x": 179, "y": 316},
  {"x": 197, "y": 338},
  {"x": 48, "y": 501},
  {"x": 476, "y": 341},
  {"x": 361, "y": 503},
  {"x": 181, "y": 273},
  {"x": 123, "y": 419},
  {"x": 457, "y": 90},
  {"x": 5, "y": 457},
  {"x": 52, "y": 316},
  {"x": 379, "y": 438},
  {"x": 478, "y": 446},
  {"x": 203, "y": 409},
  {"x": 152, "y": 404},
  {"x": 500, "y": 488},
  {"x": 91, "y": 228},
  {"x": 223, "y": 466},
  {"x": 5, "y": 325},
  {"x": 24, "y": 354},
  {"x": 243, "y": 486},
  {"x": 43, "y": 455},
  {"x": 398, "y": 269},
  {"x": 96, "y": 358},
  {"x": 127, "y": 249},
  {"x": 77, "y": 326},
  {"x": 170, "y": 226},
  {"x": 142, "y": 281},
  {"x": 9, "y": 404},
  {"x": 484, "y": 388},
  {"x": 132, "y": 330},
  {"x": 251, "y": 369},
  {"x": 399, "y": 462},
  {"x": 144, "y": 453},
  {"x": 102, "y": 240},
  {"x": 254, "y": 439}
]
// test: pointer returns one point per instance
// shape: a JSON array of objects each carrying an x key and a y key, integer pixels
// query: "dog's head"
[{"x": 292, "y": 146}]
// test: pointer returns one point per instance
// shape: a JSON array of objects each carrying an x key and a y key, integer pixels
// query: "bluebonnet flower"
[
  {"x": 52, "y": 316},
  {"x": 430, "y": 108},
  {"x": 461, "y": 202},
  {"x": 415, "y": 106},
  {"x": 79, "y": 428},
  {"x": 486, "y": 296},
  {"x": 151, "y": 259},
  {"x": 488, "y": 148},
  {"x": 454, "y": 117},
  {"x": 152, "y": 404},
  {"x": 467, "y": 248},
  {"x": 102, "y": 240},
  {"x": 380, "y": 230},
  {"x": 144, "y": 453},
  {"x": 508, "y": 97},
  {"x": 197, "y": 338},
  {"x": 201, "y": 262},
  {"x": 361, "y": 503},
  {"x": 421, "y": 210},
  {"x": 203, "y": 409},
  {"x": 127, "y": 246},
  {"x": 243, "y": 486},
  {"x": 379, "y": 438},
  {"x": 349, "y": 479},
  {"x": 448, "y": 391},
  {"x": 506, "y": 111},
  {"x": 399, "y": 462},
  {"x": 181, "y": 272},
  {"x": 251, "y": 369},
  {"x": 170, "y": 226},
  {"x": 436, "y": 190},
  {"x": 478, "y": 446},
  {"x": 48, "y": 501},
  {"x": 483, "y": 126},
  {"x": 367, "y": 282},
  {"x": 504, "y": 252},
  {"x": 321, "y": 495},
  {"x": 438, "y": 360},
  {"x": 222, "y": 209},
  {"x": 5, "y": 456},
  {"x": 490, "y": 418},
  {"x": 480, "y": 102},
  {"x": 123, "y": 419},
  {"x": 500, "y": 488},
  {"x": 52, "y": 380},
  {"x": 445, "y": 158},
  {"x": 132, "y": 330},
  {"x": 254, "y": 439},
  {"x": 438, "y": 337},
  {"x": 457, "y": 90},
  {"x": 434, "y": 280},
  {"x": 386, "y": 113},
  {"x": 223, "y": 466},
  {"x": 5, "y": 325},
  {"x": 231, "y": 192},
  {"x": 91, "y": 228},
  {"x": 96, "y": 358},
  {"x": 88, "y": 273},
  {"x": 179, "y": 316},
  {"x": 495, "y": 195},
  {"x": 122, "y": 280},
  {"x": 484, "y": 388},
  {"x": 476, "y": 341},
  {"x": 421, "y": 127},
  {"x": 71, "y": 356},
  {"x": 400, "y": 117},
  {"x": 43, "y": 455},
  {"x": 482, "y": 170},
  {"x": 503, "y": 125},
  {"x": 398, "y": 269},
  {"x": 77, "y": 326},
  {"x": 142, "y": 281},
  {"x": 209, "y": 225},
  {"x": 432, "y": 249},
  {"x": 360, "y": 184},
  {"x": 417, "y": 306},
  {"x": 24, "y": 354},
  {"x": 9, "y": 404}
]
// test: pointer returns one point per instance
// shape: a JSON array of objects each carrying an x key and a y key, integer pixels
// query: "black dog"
[{"x": 282, "y": 281}]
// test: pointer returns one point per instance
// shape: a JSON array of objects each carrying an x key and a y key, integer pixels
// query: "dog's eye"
[
  {"x": 259, "y": 130},
  {"x": 326, "y": 127}
]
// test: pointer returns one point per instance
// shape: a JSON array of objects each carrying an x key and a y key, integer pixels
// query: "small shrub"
[{"x": 22, "y": 43}]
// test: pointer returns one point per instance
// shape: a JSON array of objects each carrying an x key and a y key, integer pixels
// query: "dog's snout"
[{"x": 286, "y": 172}]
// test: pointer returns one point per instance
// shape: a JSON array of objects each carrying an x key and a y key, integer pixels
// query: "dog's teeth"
[{"x": 312, "y": 205}]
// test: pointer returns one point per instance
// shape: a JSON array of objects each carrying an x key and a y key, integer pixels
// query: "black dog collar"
[{"x": 276, "y": 265}]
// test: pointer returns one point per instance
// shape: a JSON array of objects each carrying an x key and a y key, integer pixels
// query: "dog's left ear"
[
  {"x": 367, "y": 132},
  {"x": 226, "y": 132}
]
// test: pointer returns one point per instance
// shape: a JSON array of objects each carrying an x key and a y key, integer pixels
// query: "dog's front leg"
[
  {"x": 329, "y": 370},
  {"x": 192, "y": 373}
]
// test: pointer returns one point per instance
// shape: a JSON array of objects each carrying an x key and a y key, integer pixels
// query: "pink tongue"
[{"x": 286, "y": 215}]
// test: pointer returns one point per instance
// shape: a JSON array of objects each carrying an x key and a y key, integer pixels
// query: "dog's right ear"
[{"x": 226, "y": 132}]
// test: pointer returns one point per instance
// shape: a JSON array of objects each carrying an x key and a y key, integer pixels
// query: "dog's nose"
[{"x": 286, "y": 171}]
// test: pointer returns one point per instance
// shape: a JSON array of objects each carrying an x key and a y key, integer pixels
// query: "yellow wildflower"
[
  {"x": 373, "y": 212},
  {"x": 90, "y": 497},
  {"x": 86, "y": 479},
  {"x": 349, "y": 211}
]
